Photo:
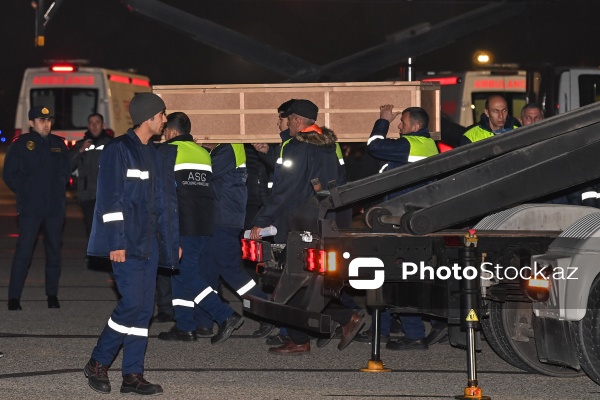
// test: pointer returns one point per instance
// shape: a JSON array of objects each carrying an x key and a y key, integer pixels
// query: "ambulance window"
[
  {"x": 71, "y": 106},
  {"x": 589, "y": 89},
  {"x": 516, "y": 101}
]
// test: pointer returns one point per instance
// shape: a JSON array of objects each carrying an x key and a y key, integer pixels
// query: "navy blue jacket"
[
  {"x": 136, "y": 202},
  {"x": 229, "y": 185},
  {"x": 38, "y": 171}
]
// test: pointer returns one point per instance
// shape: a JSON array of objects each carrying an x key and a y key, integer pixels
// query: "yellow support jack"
[
  {"x": 470, "y": 320},
  {"x": 375, "y": 364}
]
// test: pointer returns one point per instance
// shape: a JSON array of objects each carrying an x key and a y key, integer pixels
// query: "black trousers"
[
  {"x": 164, "y": 297},
  {"x": 87, "y": 207},
  {"x": 29, "y": 227}
]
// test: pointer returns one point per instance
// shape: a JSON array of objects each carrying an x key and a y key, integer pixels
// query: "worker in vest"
[
  {"x": 222, "y": 256},
  {"x": 192, "y": 174},
  {"x": 494, "y": 120},
  {"x": 414, "y": 144}
]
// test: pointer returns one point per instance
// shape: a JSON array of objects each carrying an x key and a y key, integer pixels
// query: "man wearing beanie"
[{"x": 136, "y": 226}]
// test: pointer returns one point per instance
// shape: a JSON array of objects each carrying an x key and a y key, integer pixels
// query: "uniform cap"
[
  {"x": 39, "y": 112},
  {"x": 144, "y": 106},
  {"x": 303, "y": 108}
]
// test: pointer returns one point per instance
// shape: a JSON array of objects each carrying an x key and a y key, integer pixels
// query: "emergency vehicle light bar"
[
  {"x": 63, "y": 68},
  {"x": 444, "y": 81},
  {"x": 129, "y": 81}
]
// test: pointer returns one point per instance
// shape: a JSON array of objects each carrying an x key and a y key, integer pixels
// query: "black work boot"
[
  {"x": 135, "y": 383},
  {"x": 97, "y": 375},
  {"x": 176, "y": 334},
  {"x": 227, "y": 327}
]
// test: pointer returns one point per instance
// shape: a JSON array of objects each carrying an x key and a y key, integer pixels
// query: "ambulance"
[
  {"x": 463, "y": 94},
  {"x": 73, "y": 92}
]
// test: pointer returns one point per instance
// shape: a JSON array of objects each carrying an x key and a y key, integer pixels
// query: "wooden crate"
[{"x": 248, "y": 113}]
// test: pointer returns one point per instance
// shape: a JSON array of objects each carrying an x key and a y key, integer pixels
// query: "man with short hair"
[
  {"x": 414, "y": 144},
  {"x": 136, "y": 225},
  {"x": 192, "y": 174},
  {"x": 531, "y": 113},
  {"x": 494, "y": 120},
  {"x": 37, "y": 169},
  {"x": 85, "y": 159}
]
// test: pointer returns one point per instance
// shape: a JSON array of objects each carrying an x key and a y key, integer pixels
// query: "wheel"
[
  {"x": 509, "y": 332},
  {"x": 586, "y": 334}
]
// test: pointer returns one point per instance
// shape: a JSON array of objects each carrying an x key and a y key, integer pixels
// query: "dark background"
[{"x": 109, "y": 35}]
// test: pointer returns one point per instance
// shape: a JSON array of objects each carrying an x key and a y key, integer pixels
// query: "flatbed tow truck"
[{"x": 478, "y": 226}]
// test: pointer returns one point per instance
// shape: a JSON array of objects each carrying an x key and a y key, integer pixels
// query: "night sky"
[{"x": 107, "y": 34}]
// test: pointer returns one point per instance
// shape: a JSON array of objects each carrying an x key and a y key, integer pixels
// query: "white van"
[{"x": 73, "y": 93}]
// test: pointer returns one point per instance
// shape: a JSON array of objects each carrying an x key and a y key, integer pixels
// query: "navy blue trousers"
[
  {"x": 128, "y": 324},
  {"x": 191, "y": 290},
  {"x": 222, "y": 257},
  {"x": 29, "y": 227}
]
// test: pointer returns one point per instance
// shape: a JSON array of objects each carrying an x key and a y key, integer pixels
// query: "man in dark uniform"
[
  {"x": 222, "y": 256},
  {"x": 136, "y": 225},
  {"x": 37, "y": 169}
]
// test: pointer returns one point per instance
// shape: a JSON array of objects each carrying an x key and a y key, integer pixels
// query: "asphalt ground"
[{"x": 45, "y": 349}]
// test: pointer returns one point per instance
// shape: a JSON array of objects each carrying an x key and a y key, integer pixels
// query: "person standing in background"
[{"x": 37, "y": 169}]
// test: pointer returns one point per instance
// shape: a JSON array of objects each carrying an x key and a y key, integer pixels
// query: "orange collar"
[{"x": 313, "y": 128}]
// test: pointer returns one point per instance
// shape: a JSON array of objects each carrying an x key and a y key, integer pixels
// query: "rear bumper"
[{"x": 287, "y": 315}]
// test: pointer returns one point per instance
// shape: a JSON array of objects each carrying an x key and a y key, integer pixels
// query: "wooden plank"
[{"x": 248, "y": 113}]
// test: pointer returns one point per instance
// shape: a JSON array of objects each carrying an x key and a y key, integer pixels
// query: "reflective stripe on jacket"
[{"x": 136, "y": 202}]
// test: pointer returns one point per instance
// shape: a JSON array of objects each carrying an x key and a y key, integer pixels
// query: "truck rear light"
[
  {"x": 252, "y": 250},
  {"x": 331, "y": 261},
  {"x": 315, "y": 260},
  {"x": 256, "y": 250}
]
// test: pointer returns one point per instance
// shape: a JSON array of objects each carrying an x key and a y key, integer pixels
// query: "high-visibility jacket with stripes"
[
  {"x": 483, "y": 130},
  {"x": 229, "y": 184},
  {"x": 396, "y": 152},
  {"x": 193, "y": 173}
]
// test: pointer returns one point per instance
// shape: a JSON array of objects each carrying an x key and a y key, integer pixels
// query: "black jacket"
[
  {"x": 307, "y": 156},
  {"x": 88, "y": 163}
]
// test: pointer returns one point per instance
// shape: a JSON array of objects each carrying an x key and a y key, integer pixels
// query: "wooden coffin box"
[{"x": 248, "y": 113}]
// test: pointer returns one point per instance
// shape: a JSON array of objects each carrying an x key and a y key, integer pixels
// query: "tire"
[
  {"x": 586, "y": 334},
  {"x": 520, "y": 354}
]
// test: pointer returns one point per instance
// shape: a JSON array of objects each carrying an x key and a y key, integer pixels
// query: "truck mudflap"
[
  {"x": 287, "y": 315},
  {"x": 554, "y": 343}
]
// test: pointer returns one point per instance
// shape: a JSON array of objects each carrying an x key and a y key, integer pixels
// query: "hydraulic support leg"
[
  {"x": 469, "y": 302},
  {"x": 376, "y": 303},
  {"x": 375, "y": 364}
]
